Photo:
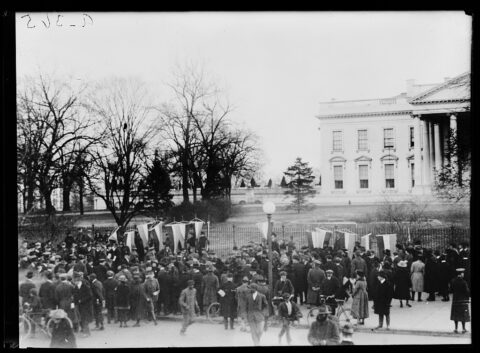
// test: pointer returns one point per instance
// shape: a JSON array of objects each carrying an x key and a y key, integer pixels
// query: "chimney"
[{"x": 410, "y": 84}]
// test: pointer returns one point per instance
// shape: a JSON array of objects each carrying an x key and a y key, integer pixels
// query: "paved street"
[{"x": 166, "y": 334}]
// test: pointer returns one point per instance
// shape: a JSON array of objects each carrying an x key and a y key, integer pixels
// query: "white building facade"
[{"x": 391, "y": 147}]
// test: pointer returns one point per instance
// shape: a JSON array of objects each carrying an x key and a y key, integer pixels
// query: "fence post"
[
  {"x": 234, "y": 242},
  {"x": 283, "y": 231},
  {"x": 93, "y": 231}
]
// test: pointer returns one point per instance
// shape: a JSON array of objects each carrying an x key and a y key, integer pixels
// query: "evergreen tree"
[
  {"x": 242, "y": 184},
  {"x": 157, "y": 185},
  {"x": 253, "y": 183},
  {"x": 283, "y": 183},
  {"x": 300, "y": 184},
  {"x": 269, "y": 183}
]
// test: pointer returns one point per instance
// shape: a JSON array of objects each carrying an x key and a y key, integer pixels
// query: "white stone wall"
[{"x": 374, "y": 125}]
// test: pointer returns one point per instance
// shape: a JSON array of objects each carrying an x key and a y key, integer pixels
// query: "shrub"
[{"x": 218, "y": 210}]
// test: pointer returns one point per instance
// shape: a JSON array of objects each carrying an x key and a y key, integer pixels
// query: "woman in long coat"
[
  {"x": 417, "y": 271},
  {"x": 138, "y": 300},
  {"x": 122, "y": 301},
  {"x": 315, "y": 277},
  {"x": 210, "y": 285},
  {"x": 401, "y": 280},
  {"x": 430, "y": 282},
  {"x": 83, "y": 299},
  {"x": 372, "y": 283},
  {"x": 360, "y": 298},
  {"x": 460, "y": 300}
]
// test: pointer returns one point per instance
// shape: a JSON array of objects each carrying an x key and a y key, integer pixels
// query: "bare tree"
[
  {"x": 209, "y": 150},
  {"x": 119, "y": 163},
  {"x": 53, "y": 131}
]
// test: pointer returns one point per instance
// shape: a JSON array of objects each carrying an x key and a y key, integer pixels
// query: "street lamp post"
[{"x": 269, "y": 209}]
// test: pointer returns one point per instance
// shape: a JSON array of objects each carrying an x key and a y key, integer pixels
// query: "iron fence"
[{"x": 224, "y": 237}]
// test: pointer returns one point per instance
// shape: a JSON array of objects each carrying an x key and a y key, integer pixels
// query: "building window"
[
  {"x": 338, "y": 176},
  {"x": 363, "y": 175},
  {"x": 388, "y": 138},
  {"x": 362, "y": 140},
  {"x": 412, "y": 137},
  {"x": 337, "y": 141},
  {"x": 412, "y": 171},
  {"x": 389, "y": 176}
]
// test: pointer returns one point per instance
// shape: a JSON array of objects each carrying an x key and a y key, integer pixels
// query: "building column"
[
  {"x": 417, "y": 152},
  {"x": 453, "y": 131},
  {"x": 431, "y": 150},
  {"x": 438, "y": 152},
  {"x": 426, "y": 154}
]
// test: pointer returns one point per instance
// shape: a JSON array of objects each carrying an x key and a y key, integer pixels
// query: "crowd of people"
[{"x": 83, "y": 275}]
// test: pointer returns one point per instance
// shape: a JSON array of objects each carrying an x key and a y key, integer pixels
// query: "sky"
[{"x": 275, "y": 68}]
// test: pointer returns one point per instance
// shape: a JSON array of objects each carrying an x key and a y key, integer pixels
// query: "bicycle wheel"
[
  {"x": 312, "y": 314},
  {"x": 213, "y": 313},
  {"x": 24, "y": 328},
  {"x": 50, "y": 325},
  {"x": 345, "y": 316}
]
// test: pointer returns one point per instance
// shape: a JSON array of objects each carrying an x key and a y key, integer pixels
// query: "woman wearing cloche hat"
[
  {"x": 460, "y": 300},
  {"x": 401, "y": 280},
  {"x": 62, "y": 332}
]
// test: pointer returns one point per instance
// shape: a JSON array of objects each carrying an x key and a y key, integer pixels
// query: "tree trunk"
[
  {"x": 47, "y": 197},
  {"x": 30, "y": 196},
  {"x": 66, "y": 198},
  {"x": 185, "y": 177},
  {"x": 81, "y": 191}
]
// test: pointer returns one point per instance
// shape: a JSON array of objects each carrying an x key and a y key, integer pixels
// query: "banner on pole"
[
  {"x": 386, "y": 241},
  {"x": 365, "y": 241},
  {"x": 143, "y": 232},
  {"x": 264, "y": 228},
  {"x": 114, "y": 235},
  {"x": 129, "y": 239}
]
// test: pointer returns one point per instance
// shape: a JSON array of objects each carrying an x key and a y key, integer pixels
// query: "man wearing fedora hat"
[
  {"x": 315, "y": 278},
  {"x": 323, "y": 331},
  {"x": 257, "y": 311},
  {"x": 288, "y": 312},
  {"x": 241, "y": 296},
  {"x": 188, "y": 304},
  {"x": 382, "y": 300},
  {"x": 283, "y": 285}
]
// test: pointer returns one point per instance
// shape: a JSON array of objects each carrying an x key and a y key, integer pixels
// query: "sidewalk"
[{"x": 423, "y": 318}]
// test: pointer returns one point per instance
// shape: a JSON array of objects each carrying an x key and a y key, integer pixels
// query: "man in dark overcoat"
[
  {"x": 110, "y": 284},
  {"x": 98, "y": 300},
  {"x": 165, "y": 293},
  {"x": 330, "y": 288},
  {"x": 82, "y": 298},
  {"x": 383, "y": 299},
  {"x": 315, "y": 278},
  {"x": 228, "y": 302},
  {"x": 64, "y": 298},
  {"x": 298, "y": 279},
  {"x": 288, "y": 312},
  {"x": 26, "y": 286},
  {"x": 47, "y": 292},
  {"x": 100, "y": 270}
]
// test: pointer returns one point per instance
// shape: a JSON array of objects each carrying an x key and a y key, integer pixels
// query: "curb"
[{"x": 202, "y": 320}]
